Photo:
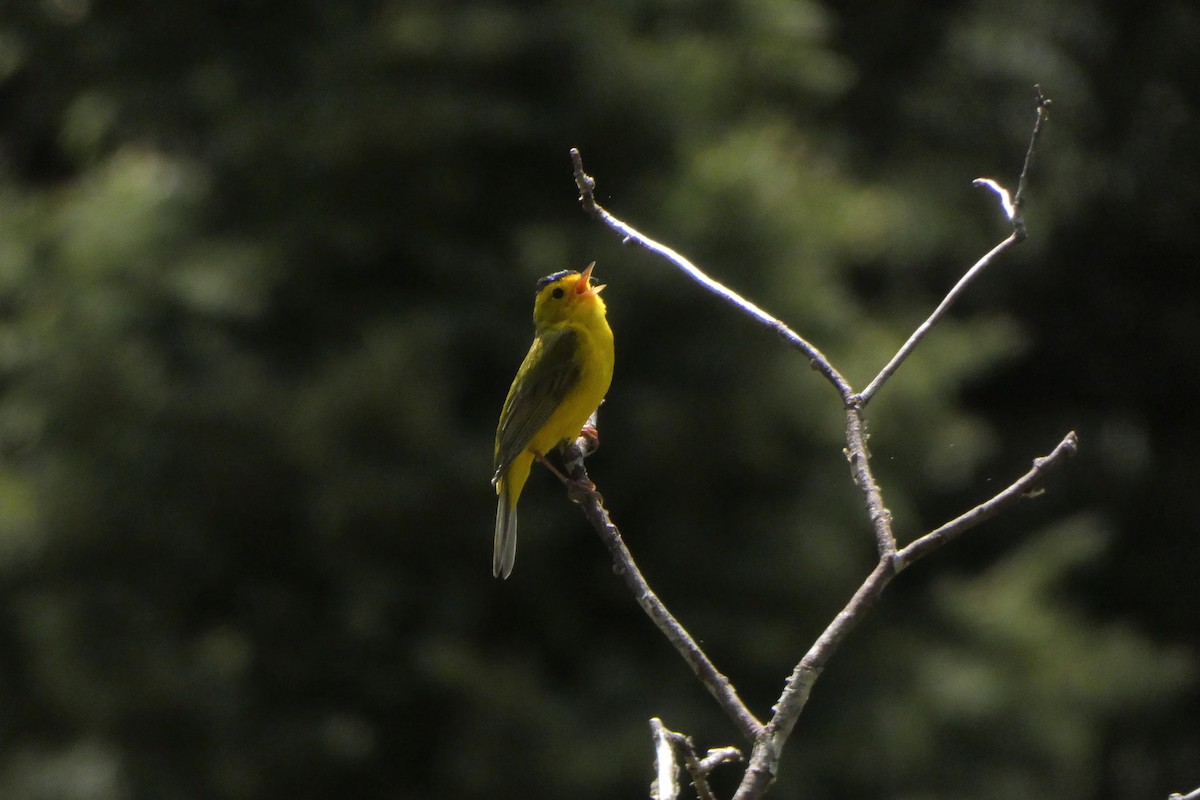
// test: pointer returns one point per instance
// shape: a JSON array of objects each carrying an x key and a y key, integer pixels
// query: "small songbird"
[{"x": 560, "y": 383}]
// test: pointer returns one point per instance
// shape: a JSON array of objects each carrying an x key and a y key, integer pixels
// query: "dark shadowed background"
[{"x": 266, "y": 271}]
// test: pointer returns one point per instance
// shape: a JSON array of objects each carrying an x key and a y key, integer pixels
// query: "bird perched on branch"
[{"x": 560, "y": 383}]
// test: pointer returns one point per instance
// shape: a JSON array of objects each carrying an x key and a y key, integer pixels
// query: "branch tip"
[
  {"x": 1012, "y": 211},
  {"x": 1043, "y": 113},
  {"x": 1043, "y": 102},
  {"x": 718, "y": 756},
  {"x": 584, "y": 182}
]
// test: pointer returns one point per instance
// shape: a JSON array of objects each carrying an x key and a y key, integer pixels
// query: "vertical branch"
[
  {"x": 860, "y": 468},
  {"x": 666, "y": 770}
]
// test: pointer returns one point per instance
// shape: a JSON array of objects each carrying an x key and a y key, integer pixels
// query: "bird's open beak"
[{"x": 585, "y": 281}]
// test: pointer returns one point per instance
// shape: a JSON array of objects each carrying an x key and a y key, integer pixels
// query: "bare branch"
[
  {"x": 718, "y": 756},
  {"x": 700, "y": 770},
  {"x": 1193, "y": 795},
  {"x": 669, "y": 747},
  {"x": 1043, "y": 114},
  {"x": 1013, "y": 212},
  {"x": 1020, "y": 489},
  {"x": 937, "y": 314},
  {"x": 818, "y": 361},
  {"x": 623, "y": 564},
  {"x": 666, "y": 770},
  {"x": 860, "y": 468},
  {"x": 765, "y": 757},
  {"x": 769, "y": 738}
]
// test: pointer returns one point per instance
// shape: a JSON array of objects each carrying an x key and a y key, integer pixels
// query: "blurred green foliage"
[{"x": 265, "y": 274}]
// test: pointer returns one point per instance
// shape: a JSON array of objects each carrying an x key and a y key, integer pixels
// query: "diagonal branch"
[
  {"x": 587, "y": 188},
  {"x": 1020, "y": 489},
  {"x": 623, "y": 564},
  {"x": 939, "y": 312},
  {"x": 1013, "y": 211},
  {"x": 764, "y": 758}
]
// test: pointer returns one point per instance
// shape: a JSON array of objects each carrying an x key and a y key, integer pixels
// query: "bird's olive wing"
[{"x": 550, "y": 370}]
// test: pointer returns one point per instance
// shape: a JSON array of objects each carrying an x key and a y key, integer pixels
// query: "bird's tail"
[{"x": 504, "y": 548}]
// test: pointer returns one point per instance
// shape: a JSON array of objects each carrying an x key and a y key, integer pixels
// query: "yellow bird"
[{"x": 560, "y": 383}]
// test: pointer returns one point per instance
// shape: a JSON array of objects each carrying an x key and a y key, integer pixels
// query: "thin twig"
[
  {"x": 1013, "y": 212},
  {"x": 1043, "y": 114},
  {"x": 699, "y": 770},
  {"x": 919, "y": 334},
  {"x": 1019, "y": 490},
  {"x": 718, "y": 685},
  {"x": 718, "y": 756},
  {"x": 587, "y": 198}
]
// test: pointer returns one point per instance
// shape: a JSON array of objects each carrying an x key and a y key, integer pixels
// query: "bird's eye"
[{"x": 557, "y": 293}]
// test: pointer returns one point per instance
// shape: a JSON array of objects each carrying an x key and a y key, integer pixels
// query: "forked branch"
[
  {"x": 769, "y": 738},
  {"x": 765, "y": 757},
  {"x": 1013, "y": 211}
]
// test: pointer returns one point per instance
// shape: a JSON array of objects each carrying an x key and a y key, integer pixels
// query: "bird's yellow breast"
[{"x": 594, "y": 356}]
